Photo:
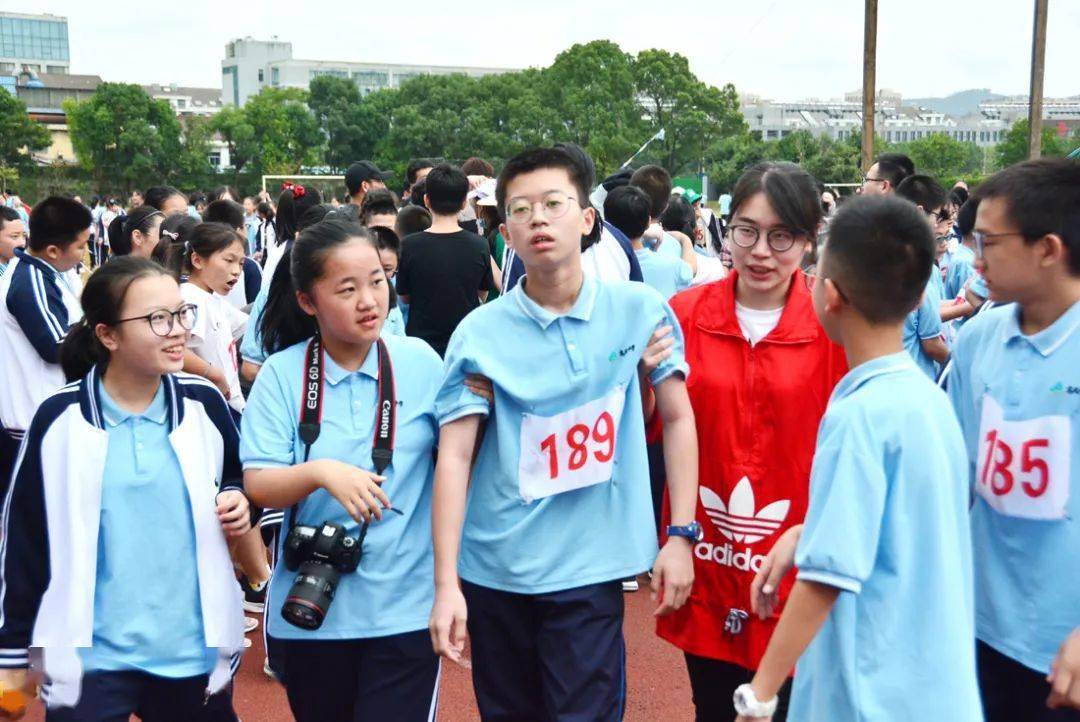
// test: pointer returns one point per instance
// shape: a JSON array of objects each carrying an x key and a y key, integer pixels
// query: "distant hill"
[{"x": 957, "y": 104}]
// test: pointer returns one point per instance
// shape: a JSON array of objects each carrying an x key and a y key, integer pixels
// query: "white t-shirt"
[
  {"x": 218, "y": 327},
  {"x": 756, "y": 324},
  {"x": 606, "y": 259}
]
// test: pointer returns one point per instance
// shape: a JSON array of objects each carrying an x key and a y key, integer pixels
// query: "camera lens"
[{"x": 311, "y": 594}]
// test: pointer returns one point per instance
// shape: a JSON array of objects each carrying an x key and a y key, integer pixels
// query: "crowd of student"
[{"x": 838, "y": 432}]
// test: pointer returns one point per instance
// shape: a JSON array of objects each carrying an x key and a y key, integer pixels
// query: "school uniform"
[
  {"x": 1018, "y": 401},
  {"x": 247, "y": 288},
  {"x": 37, "y": 306},
  {"x": 378, "y": 620},
  {"x": 218, "y": 327},
  {"x": 667, "y": 275},
  {"x": 558, "y": 513},
  {"x": 97, "y": 494},
  {"x": 887, "y": 526},
  {"x": 922, "y": 324}
]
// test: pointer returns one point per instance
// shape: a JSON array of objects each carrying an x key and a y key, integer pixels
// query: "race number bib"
[
  {"x": 1023, "y": 466},
  {"x": 570, "y": 450}
]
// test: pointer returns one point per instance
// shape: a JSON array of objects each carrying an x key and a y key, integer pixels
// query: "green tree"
[
  {"x": 195, "y": 167},
  {"x": 694, "y": 115},
  {"x": 231, "y": 124},
  {"x": 125, "y": 138},
  {"x": 286, "y": 134},
  {"x": 730, "y": 156},
  {"x": 351, "y": 126},
  {"x": 940, "y": 155},
  {"x": 18, "y": 133},
  {"x": 1014, "y": 148}
]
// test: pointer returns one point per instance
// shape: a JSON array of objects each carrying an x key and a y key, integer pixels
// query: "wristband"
[{"x": 747, "y": 704}]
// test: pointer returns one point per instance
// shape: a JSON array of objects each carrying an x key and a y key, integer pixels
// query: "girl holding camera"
[
  {"x": 339, "y": 432},
  {"x": 130, "y": 459}
]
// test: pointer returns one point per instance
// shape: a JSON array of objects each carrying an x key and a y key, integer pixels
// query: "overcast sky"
[{"x": 783, "y": 49}]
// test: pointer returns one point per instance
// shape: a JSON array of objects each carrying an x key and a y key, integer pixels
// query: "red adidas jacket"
[{"x": 758, "y": 411}]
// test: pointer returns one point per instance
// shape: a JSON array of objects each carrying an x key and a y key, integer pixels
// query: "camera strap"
[{"x": 311, "y": 407}]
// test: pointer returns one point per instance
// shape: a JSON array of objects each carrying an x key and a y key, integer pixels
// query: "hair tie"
[
  {"x": 298, "y": 191},
  {"x": 287, "y": 186}
]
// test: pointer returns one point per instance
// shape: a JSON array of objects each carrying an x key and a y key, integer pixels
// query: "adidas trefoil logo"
[{"x": 737, "y": 520}]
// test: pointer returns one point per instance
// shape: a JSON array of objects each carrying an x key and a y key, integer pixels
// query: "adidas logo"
[{"x": 737, "y": 519}]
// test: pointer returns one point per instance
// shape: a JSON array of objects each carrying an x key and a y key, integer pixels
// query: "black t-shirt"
[{"x": 442, "y": 273}]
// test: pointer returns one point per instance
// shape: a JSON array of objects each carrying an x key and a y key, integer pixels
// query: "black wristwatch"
[{"x": 691, "y": 531}]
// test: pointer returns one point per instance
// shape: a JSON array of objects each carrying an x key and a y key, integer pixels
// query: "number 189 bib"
[
  {"x": 571, "y": 450},
  {"x": 1023, "y": 466}
]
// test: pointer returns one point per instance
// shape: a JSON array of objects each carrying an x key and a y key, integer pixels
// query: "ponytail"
[
  {"x": 284, "y": 323},
  {"x": 102, "y": 299},
  {"x": 205, "y": 239}
]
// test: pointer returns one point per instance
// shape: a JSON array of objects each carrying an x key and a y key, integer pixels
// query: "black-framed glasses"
[
  {"x": 163, "y": 322},
  {"x": 867, "y": 179},
  {"x": 980, "y": 239},
  {"x": 779, "y": 239},
  {"x": 555, "y": 203}
]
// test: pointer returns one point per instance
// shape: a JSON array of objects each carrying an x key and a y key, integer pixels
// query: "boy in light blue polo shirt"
[
  {"x": 1015, "y": 386},
  {"x": 627, "y": 208},
  {"x": 881, "y": 616},
  {"x": 559, "y": 508}
]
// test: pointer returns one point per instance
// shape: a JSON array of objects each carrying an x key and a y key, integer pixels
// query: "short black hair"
[
  {"x": 225, "y": 211},
  {"x": 8, "y": 214},
  {"x": 656, "y": 182},
  {"x": 412, "y": 219},
  {"x": 415, "y": 166},
  {"x": 1043, "y": 197},
  {"x": 446, "y": 189},
  {"x": 965, "y": 217},
  {"x": 899, "y": 159},
  {"x": 378, "y": 201},
  {"x": 922, "y": 190},
  {"x": 57, "y": 221},
  {"x": 386, "y": 239},
  {"x": 536, "y": 159},
  {"x": 157, "y": 195},
  {"x": 627, "y": 208},
  {"x": 879, "y": 255},
  {"x": 679, "y": 216}
]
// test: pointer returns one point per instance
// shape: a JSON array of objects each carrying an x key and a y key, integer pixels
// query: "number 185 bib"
[
  {"x": 1023, "y": 466},
  {"x": 570, "y": 450}
]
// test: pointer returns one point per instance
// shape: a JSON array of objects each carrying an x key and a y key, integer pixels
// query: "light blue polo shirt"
[
  {"x": 961, "y": 268},
  {"x": 667, "y": 275},
  {"x": 670, "y": 247},
  {"x": 887, "y": 525},
  {"x": 147, "y": 613},
  {"x": 555, "y": 367},
  {"x": 1023, "y": 391},
  {"x": 924, "y": 323},
  {"x": 393, "y": 589}
]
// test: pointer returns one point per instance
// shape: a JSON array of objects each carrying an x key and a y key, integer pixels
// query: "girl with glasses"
[
  {"x": 116, "y": 524},
  {"x": 763, "y": 372}
]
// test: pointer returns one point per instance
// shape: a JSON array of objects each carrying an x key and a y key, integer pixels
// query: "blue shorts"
[{"x": 558, "y": 656}]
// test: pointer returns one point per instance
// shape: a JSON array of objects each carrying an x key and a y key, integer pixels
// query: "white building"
[
  {"x": 195, "y": 102},
  {"x": 1016, "y": 108},
  {"x": 251, "y": 65}
]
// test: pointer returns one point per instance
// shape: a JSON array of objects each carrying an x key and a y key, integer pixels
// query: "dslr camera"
[{"x": 320, "y": 555}]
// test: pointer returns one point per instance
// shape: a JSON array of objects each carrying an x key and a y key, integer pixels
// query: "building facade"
[
  {"x": 34, "y": 43},
  {"x": 251, "y": 65}
]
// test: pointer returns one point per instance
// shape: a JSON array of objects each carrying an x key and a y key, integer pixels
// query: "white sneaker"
[
  {"x": 630, "y": 585},
  {"x": 266, "y": 669},
  {"x": 250, "y": 624}
]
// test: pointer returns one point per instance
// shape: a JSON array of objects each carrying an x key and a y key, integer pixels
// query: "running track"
[{"x": 656, "y": 675}]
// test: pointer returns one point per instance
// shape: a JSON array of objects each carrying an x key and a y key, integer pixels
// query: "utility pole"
[
  {"x": 1038, "y": 64},
  {"x": 869, "y": 82}
]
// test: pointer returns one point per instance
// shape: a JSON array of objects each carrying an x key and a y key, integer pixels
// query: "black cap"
[{"x": 360, "y": 171}]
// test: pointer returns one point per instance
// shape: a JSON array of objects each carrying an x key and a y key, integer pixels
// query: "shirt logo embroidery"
[
  {"x": 621, "y": 352},
  {"x": 737, "y": 520},
  {"x": 1060, "y": 388}
]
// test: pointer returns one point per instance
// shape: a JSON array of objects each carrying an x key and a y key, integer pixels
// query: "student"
[
  {"x": 886, "y": 174},
  {"x": 627, "y": 208},
  {"x": 361, "y": 177},
  {"x": 137, "y": 466},
  {"x": 231, "y": 214},
  {"x": 963, "y": 284},
  {"x": 174, "y": 231},
  {"x": 265, "y": 234},
  {"x": 412, "y": 219},
  {"x": 294, "y": 201},
  {"x": 417, "y": 170},
  {"x": 371, "y": 656},
  {"x": 137, "y": 233},
  {"x": 445, "y": 272},
  {"x": 389, "y": 251},
  {"x": 251, "y": 224},
  {"x": 881, "y": 615},
  {"x": 1015, "y": 390},
  {"x": 166, "y": 199},
  {"x": 922, "y": 329},
  {"x": 39, "y": 301},
  {"x": 211, "y": 260},
  {"x": 558, "y": 510},
  {"x": 763, "y": 372},
  {"x": 12, "y": 236},
  {"x": 379, "y": 209}
]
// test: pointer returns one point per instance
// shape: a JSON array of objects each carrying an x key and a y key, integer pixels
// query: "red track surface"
[{"x": 658, "y": 686}]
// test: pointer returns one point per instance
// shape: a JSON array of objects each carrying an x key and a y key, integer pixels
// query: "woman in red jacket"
[{"x": 763, "y": 371}]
